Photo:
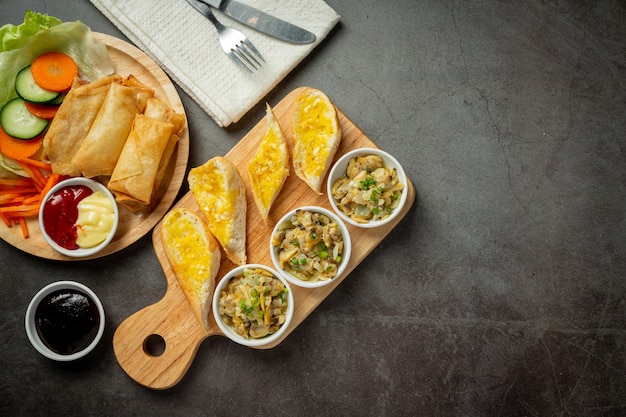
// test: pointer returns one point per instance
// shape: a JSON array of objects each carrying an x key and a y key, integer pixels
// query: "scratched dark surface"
[{"x": 502, "y": 293}]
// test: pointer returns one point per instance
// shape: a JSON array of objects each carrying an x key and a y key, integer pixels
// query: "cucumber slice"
[
  {"x": 18, "y": 122},
  {"x": 28, "y": 89},
  {"x": 57, "y": 100}
]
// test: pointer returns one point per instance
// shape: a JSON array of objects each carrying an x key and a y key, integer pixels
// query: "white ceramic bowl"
[
  {"x": 95, "y": 186},
  {"x": 229, "y": 331},
  {"x": 31, "y": 320},
  {"x": 345, "y": 258},
  {"x": 339, "y": 170}
]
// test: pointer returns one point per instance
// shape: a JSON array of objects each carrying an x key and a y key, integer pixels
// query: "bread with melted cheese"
[
  {"x": 269, "y": 168},
  {"x": 316, "y": 136},
  {"x": 218, "y": 189},
  {"x": 194, "y": 255}
]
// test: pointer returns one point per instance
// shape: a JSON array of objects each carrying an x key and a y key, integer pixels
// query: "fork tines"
[{"x": 246, "y": 55}]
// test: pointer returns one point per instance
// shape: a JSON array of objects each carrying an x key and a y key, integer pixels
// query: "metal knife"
[{"x": 262, "y": 21}]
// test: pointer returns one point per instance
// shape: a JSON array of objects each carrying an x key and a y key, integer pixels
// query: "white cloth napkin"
[{"x": 185, "y": 44}]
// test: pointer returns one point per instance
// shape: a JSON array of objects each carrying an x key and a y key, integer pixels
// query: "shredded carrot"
[
  {"x": 35, "y": 174},
  {"x": 54, "y": 71},
  {"x": 45, "y": 111},
  {"x": 11, "y": 198},
  {"x": 17, "y": 148},
  {"x": 33, "y": 199},
  {"x": 5, "y": 219},
  {"x": 53, "y": 179},
  {"x": 22, "y": 198},
  {"x": 30, "y": 213},
  {"x": 17, "y": 190},
  {"x": 36, "y": 163},
  {"x": 19, "y": 202},
  {"x": 19, "y": 209},
  {"x": 25, "y": 182},
  {"x": 24, "y": 227}
]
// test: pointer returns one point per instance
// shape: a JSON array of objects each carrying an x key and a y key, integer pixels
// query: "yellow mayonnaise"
[{"x": 95, "y": 220}]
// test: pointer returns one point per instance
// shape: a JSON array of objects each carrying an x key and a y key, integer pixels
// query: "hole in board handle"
[{"x": 154, "y": 345}]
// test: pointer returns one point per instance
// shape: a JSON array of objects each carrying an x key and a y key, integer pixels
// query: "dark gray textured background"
[{"x": 501, "y": 293}]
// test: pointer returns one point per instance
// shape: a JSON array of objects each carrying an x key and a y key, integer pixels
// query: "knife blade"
[{"x": 263, "y": 22}]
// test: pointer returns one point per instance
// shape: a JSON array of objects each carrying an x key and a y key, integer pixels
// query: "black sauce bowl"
[{"x": 65, "y": 321}]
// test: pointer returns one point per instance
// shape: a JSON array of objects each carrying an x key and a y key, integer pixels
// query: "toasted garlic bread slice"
[
  {"x": 219, "y": 191},
  {"x": 269, "y": 168},
  {"x": 316, "y": 136},
  {"x": 194, "y": 255}
]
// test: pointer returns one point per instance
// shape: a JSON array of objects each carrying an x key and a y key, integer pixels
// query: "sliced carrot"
[
  {"x": 45, "y": 111},
  {"x": 54, "y": 71},
  {"x": 17, "y": 148}
]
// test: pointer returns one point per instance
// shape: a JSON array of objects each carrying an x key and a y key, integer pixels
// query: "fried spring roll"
[
  {"x": 73, "y": 121},
  {"x": 101, "y": 148}
]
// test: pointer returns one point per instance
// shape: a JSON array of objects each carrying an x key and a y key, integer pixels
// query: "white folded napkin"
[{"x": 185, "y": 44}]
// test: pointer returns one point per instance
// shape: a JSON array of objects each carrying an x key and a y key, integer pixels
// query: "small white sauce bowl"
[
  {"x": 229, "y": 331},
  {"x": 345, "y": 257},
  {"x": 31, "y": 325},
  {"x": 95, "y": 186},
  {"x": 339, "y": 170}
]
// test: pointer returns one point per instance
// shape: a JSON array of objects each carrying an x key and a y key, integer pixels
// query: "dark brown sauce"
[{"x": 67, "y": 321}]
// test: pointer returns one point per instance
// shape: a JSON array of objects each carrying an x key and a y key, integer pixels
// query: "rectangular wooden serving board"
[{"x": 172, "y": 318}]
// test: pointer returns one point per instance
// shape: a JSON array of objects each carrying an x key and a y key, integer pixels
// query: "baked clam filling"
[
  {"x": 368, "y": 191},
  {"x": 310, "y": 246},
  {"x": 254, "y": 304}
]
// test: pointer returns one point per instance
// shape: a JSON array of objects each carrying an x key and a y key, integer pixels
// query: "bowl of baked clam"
[
  {"x": 253, "y": 305},
  {"x": 367, "y": 187},
  {"x": 310, "y": 246}
]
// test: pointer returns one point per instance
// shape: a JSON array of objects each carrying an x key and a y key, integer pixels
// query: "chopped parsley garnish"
[{"x": 367, "y": 183}]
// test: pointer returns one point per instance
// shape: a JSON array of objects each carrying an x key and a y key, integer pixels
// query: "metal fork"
[{"x": 234, "y": 43}]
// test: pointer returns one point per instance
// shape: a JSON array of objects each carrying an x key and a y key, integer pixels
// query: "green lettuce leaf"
[
  {"x": 20, "y": 45},
  {"x": 10, "y": 168},
  {"x": 14, "y": 37}
]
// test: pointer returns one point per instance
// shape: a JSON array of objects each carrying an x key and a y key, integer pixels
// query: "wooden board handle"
[{"x": 170, "y": 319}]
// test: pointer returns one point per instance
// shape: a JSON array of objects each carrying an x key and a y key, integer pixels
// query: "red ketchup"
[{"x": 60, "y": 213}]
